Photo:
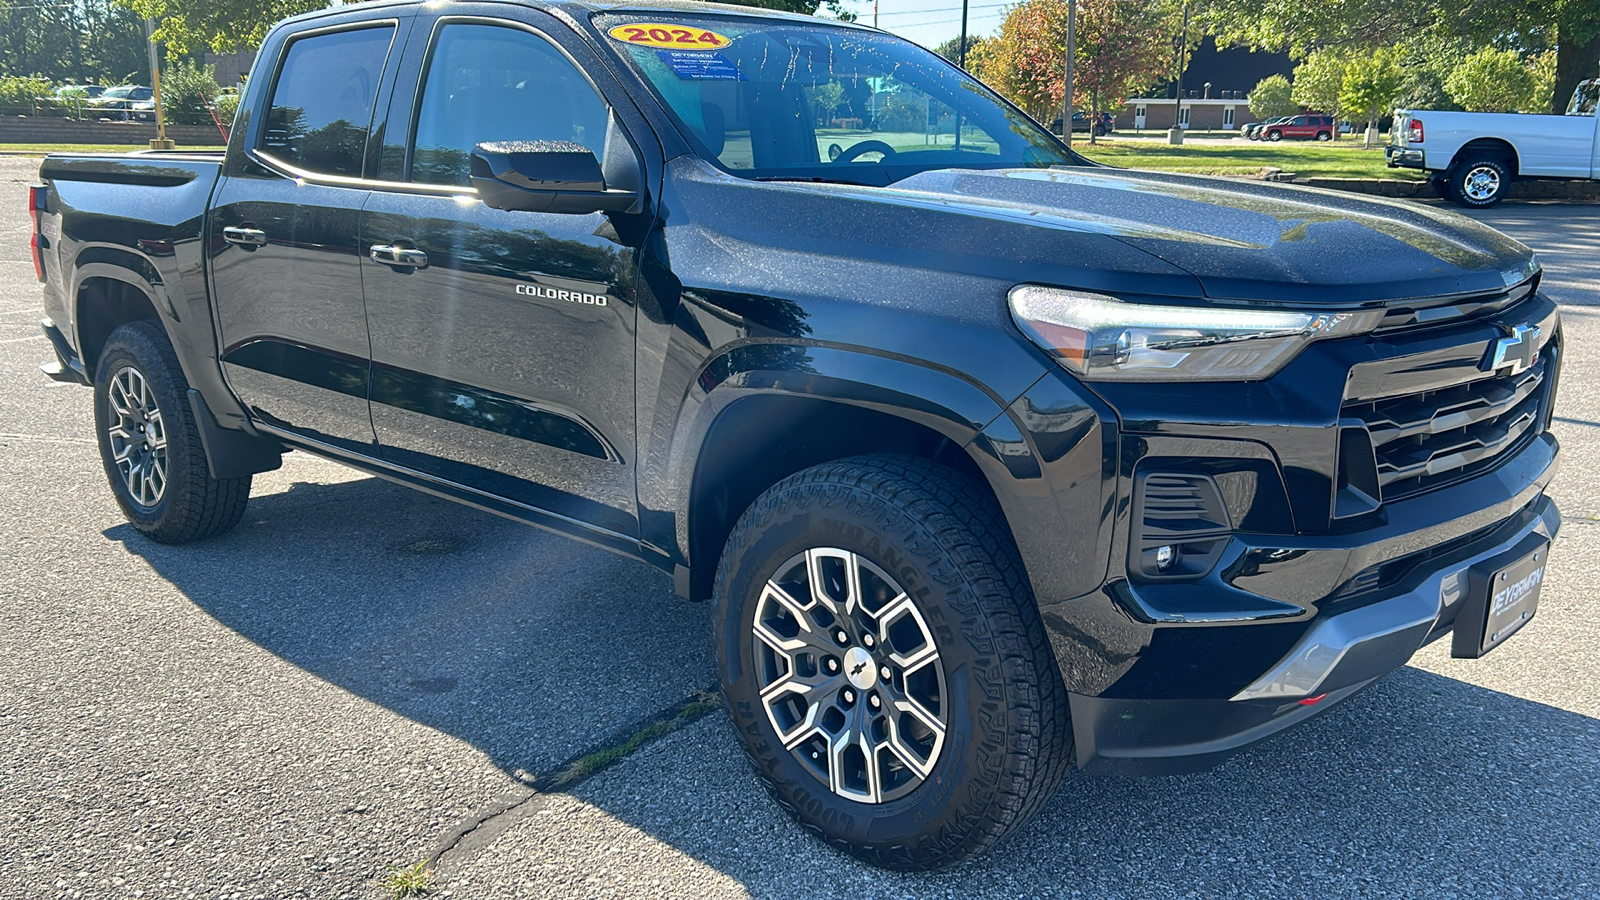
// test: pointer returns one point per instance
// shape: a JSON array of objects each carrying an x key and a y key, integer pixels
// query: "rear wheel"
[
  {"x": 1324, "y": 136},
  {"x": 150, "y": 445},
  {"x": 1479, "y": 182},
  {"x": 884, "y": 662}
]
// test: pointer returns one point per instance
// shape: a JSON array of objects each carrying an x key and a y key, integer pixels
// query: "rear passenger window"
[
  {"x": 321, "y": 106},
  {"x": 493, "y": 83}
]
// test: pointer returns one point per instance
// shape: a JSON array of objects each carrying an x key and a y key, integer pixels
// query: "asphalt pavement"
[{"x": 363, "y": 676}]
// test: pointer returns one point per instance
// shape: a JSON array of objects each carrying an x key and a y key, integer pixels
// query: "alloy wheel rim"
[
  {"x": 138, "y": 436},
  {"x": 1481, "y": 183},
  {"x": 851, "y": 678}
]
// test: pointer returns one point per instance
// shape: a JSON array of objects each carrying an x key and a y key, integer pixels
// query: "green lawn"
[
  {"x": 1342, "y": 159},
  {"x": 42, "y": 149}
]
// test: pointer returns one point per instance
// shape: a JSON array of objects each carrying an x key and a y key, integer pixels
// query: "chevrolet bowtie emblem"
[{"x": 1514, "y": 354}]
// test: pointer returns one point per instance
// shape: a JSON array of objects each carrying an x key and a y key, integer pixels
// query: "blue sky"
[{"x": 930, "y": 22}]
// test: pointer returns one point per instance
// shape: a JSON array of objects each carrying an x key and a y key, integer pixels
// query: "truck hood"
[{"x": 1245, "y": 240}]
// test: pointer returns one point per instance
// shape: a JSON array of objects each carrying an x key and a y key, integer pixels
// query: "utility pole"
[
  {"x": 1175, "y": 136},
  {"x": 963, "y": 62},
  {"x": 874, "y": 13},
  {"x": 1072, "y": 52},
  {"x": 159, "y": 142}
]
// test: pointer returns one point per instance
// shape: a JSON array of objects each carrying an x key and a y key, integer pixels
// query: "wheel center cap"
[{"x": 858, "y": 667}]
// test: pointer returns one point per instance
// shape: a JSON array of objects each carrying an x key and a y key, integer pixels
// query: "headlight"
[{"x": 1105, "y": 339}]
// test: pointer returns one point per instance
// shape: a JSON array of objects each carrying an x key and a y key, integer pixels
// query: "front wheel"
[
  {"x": 1274, "y": 136},
  {"x": 884, "y": 663},
  {"x": 1479, "y": 183},
  {"x": 150, "y": 444}
]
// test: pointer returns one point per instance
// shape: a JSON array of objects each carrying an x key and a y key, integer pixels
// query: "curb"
[{"x": 1578, "y": 191}]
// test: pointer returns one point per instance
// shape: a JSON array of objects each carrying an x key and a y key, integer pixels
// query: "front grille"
[{"x": 1430, "y": 438}]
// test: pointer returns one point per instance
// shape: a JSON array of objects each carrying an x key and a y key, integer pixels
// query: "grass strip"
[{"x": 1344, "y": 159}]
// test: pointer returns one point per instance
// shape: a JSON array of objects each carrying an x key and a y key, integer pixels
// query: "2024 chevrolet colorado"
[{"x": 989, "y": 459}]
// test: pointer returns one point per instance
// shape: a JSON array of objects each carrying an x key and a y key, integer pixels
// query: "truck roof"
[{"x": 592, "y": 6}]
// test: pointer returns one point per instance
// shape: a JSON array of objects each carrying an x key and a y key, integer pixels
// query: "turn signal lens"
[
  {"x": 1312, "y": 701},
  {"x": 1105, "y": 339}
]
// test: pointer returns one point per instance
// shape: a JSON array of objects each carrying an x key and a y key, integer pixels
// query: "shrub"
[
  {"x": 22, "y": 95},
  {"x": 187, "y": 89}
]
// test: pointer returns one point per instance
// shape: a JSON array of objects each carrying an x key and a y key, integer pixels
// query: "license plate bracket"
[{"x": 1503, "y": 595}]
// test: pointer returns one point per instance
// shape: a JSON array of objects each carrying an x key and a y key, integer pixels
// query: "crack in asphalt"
[{"x": 477, "y": 832}]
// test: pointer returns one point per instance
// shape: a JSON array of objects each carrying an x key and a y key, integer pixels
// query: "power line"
[{"x": 918, "y": 12}]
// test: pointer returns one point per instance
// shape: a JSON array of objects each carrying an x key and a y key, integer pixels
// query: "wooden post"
[{"x": 160, "y": 141}]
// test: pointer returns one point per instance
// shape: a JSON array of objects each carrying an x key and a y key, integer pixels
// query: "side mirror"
[{"x": 544, "y": 176}]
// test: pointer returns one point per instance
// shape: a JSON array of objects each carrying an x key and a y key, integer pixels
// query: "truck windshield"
[{"x": 777, "y": 99}]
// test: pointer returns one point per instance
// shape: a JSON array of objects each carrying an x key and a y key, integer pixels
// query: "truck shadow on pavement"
[{"x": 532, "y": 648}]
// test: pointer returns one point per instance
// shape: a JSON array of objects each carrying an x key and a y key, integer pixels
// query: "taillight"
[
  {"x": 1415, "y": 135},
  {"x": 38, "y": 198}
]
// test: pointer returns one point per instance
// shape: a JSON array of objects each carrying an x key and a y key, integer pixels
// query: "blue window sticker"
[{"x": 700, "y": 65}]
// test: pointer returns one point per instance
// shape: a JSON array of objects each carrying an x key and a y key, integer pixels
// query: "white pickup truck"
[{"x": 1474, "y": 157}]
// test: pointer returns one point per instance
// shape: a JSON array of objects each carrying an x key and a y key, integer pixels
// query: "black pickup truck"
[{"x": 989, "y": 459}]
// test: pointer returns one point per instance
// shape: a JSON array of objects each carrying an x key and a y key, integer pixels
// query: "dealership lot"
[{"x": 362, "y": 675}]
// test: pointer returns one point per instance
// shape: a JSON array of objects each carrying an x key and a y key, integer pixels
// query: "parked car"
[
  {"x": 1307, "y": 127},
  {"x": 88, "y": 91},
  {"x": 988, "y": 461},
  {"x": 1472, "y": 158},
  {"x": 1254, "y": 129},
  {"x": 1082, "y": 121},
  {"x": 128, "y": 101}
]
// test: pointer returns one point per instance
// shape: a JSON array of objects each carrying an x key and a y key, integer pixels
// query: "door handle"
[
  {"x": 396, "y": 255},
  {"x": 244, "y": 235}
]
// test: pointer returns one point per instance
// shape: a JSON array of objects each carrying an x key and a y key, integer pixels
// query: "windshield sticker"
[
  {"x": 699, "y": 65},
  {"x": 674, "y": 37}
]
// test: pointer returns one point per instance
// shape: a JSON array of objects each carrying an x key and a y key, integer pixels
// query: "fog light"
[{"x": 1166, "y": 555}]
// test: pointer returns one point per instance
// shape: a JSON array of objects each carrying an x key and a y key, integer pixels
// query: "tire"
[
  {"x": 1479, "y": 182},
  {"x": 957, "y": 591},
  {"x": 1324, "y": 136},
  {"x": 1274, "y": 136},
  {"x": 140, "y": 403}
]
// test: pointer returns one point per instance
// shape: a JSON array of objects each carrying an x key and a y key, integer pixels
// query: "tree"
[
  {"x": 1273, "y": 97},
  {"x": 71, "y": 40},
  {"x": 1121, "y": 46},
  {"x": 1491, "y": 81},
  {"x": 222, "y": 25},
  {"x": 1572, "y": 27},
  {"x": 951, "y": 49},
  {"x": 1372, "y": 84},
  {"x": 1319, "y": 82}
]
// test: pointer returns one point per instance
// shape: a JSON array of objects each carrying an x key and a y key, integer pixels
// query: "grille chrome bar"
[{"x": 1431, "y": 437}]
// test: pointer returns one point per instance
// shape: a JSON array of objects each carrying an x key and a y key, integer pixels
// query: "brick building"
[{"x": 1215, "y": 87}]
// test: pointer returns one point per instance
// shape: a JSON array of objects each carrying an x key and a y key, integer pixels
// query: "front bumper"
[
  {"x": 1340, "y": 654},
  {"x": 1404, "y": 157}
]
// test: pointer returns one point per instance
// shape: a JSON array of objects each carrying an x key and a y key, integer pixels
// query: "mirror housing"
[{"x": 544, "y": 176}]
